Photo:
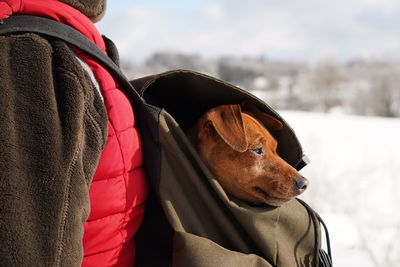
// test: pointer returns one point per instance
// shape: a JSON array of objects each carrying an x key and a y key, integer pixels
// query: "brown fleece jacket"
[
  {"x": 53, "y": 126},
  {"x": 93, "y": 9}
]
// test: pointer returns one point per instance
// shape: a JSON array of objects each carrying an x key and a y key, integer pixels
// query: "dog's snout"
[{"x": 301, "y": 184}]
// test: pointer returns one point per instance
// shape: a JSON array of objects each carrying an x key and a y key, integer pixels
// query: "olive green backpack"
[{"x": 189, "y": 220}]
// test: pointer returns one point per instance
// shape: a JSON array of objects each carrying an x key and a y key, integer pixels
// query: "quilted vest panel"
[{"x": 119, "y": 186}]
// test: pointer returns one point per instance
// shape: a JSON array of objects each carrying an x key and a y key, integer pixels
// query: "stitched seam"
[
  {"x": 105, "y": 251},
  {"x": 116, "y": 213},
  {"x": 124, "y": 174},
  {"x": 108, "y": 178},
  {"x": 65, "y": 208},
  {"x": 104, "y": 217},
  {"x": 86, "y": 106},
  {"x": 70, "y": 171},
  {"x": 67, "y": 190},
  {"x": 121, "y": 131},
  {"x": 96, "y": 125},
  {"x": 113, "y": 88},
  {"x": 123, "y": 158},
  {"x": 118, "y": 175},
  {"x": 125, "y": 177}
]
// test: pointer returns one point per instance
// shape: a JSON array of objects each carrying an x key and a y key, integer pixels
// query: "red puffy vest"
[{"x": 119, "y": 188}]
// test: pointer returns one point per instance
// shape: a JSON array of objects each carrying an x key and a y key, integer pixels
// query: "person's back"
[{"x": 61, "y": 142}]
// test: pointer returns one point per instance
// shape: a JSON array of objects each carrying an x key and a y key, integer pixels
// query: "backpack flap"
[{"x": 186, "y": 95}]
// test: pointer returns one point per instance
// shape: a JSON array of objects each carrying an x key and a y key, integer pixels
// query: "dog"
[{"x": 241, "y": 153}]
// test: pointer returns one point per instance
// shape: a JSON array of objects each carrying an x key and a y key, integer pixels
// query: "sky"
[{"x": 296, "y": 30}]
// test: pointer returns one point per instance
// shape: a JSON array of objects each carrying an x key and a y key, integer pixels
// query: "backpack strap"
[{"x": 52, "y": 28}]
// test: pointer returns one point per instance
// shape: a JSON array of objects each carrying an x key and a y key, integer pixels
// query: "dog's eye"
[{"x": 259, "y": 151}]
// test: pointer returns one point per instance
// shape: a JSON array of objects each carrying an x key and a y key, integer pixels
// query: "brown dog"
[{"x": 242, "y": 155}]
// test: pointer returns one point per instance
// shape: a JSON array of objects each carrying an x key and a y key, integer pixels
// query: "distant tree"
[
  {"x": 385, "y": 92},
  {"x": 234, "y": 73},
  {"x": 294, "y": 99},
  {"x": 273, "y": 83},
  {"x": 324, "y": 82},
  {"x": 292, "y": 82},
  {"x": 163, "y": 61}
]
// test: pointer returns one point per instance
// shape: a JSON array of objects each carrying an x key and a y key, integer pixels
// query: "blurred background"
[{"x": 331, "y": 68}]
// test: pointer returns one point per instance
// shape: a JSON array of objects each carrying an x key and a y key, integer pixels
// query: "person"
[{"x": 72, "y": 182}]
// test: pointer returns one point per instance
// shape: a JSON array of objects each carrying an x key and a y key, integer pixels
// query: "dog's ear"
[
  {"x": 270, "y": 122},
  {"x": 227, "y": 122}
]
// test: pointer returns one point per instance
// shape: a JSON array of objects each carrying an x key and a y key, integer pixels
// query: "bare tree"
[
  {"x": 385, "y": 91},
  {"x": 324, "y": 81},
  {"x": 273, "y": 83}
]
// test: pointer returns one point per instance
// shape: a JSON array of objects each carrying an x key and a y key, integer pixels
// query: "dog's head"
[{"x": 242, "y": 155}]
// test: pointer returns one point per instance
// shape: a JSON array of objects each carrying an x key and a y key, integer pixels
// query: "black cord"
[
  {"x": 328, "y": 242},
  {"x": 316, "y": 218},
  {"x": 316, "y": 235}
]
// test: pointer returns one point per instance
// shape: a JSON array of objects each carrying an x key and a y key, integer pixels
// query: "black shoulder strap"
[{"x": 40, "y": 25}]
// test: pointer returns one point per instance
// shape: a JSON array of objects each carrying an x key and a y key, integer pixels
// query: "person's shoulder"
[
  {"x": 47, "y": 53},
  {"x": 24, "y": 41}
]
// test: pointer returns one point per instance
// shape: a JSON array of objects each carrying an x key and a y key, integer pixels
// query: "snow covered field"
[{"x": 355, "y": 183}]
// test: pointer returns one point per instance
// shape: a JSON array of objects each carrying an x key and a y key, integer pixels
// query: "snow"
[{"x": 354, "y": 176}]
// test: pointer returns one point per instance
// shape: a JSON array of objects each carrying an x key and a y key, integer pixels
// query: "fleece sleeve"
[{"x": 53, "y": 126}]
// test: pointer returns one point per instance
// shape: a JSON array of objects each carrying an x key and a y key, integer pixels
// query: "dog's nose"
[{"x": 301, "y": 184}]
